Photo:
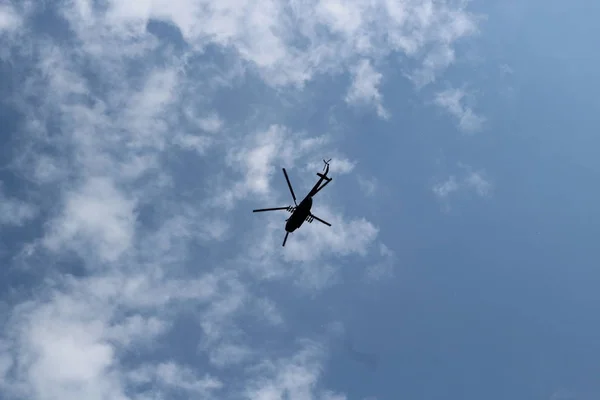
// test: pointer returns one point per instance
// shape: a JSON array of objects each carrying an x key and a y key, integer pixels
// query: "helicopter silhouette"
[{"x": 301, "y": 212}]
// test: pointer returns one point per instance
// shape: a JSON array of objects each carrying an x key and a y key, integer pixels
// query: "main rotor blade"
[
  {"x": 290, "y": 185},
  {"x": 285, "y": 238},
  {"x": 319, "y": 219},
  {"x": 270, "y": 209}
]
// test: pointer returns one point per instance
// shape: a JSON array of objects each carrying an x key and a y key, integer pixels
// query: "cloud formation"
[
  {"x": 10, "y": 20},
  {"x": 13, "y": 211},
  {"x": 364, "y": 88},
  {"x": 452, "y": 100},
  {"x": 145, "y": 153},
  {"x": 474, "y": 181}
]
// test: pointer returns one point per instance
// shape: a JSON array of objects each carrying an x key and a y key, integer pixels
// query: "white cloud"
[
  {"x": 86, "y": 326},
  {"x": 384, "y": 269},
  {"x": 471, "y": 180},
  {"x": 505, "y": 69},
  {"x": 346, "y": 236},
  {"x": 337, "y": 166},
  {"x": 365, "y": 87},
  {"x": 265, "y": 33},
  {"x": 171, "y": 375},
  {"x": 437, "y": 59},
  {"x": 295, "y": 377},
  {"x": 6, "y": 362},
  {"x": 368, "y": 186},
  {"x": 212, "y": 123},
  {"x": 268, "y": 310},
  {"x": 476, "y": 181},
  {"x": 452, "y": 101},
  {"x": 445, "y": 188},
  {"x": 341, "y": 17},
  {"x": 256, "y": 158},
  {"x": 194, "y": 142},
  {"x": 228, "y": 354},
  {"x": 105, "y": 125},
  {"x": 137, "y": 329},
  {"x": 307, "y": 248},
  {"x": 64, "y": 332},
  {"x": 97, "y": 214},
  {"x": 13, "y": 211},
  {"x": 260, "y": 156},
  {"x": 47, "y": 170},
  {"x": 9, "y": 19},
  {"x": 146, "y": 114},
  {"x": 197, "y": 141}
]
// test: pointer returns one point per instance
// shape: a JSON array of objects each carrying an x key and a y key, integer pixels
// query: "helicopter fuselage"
[
  {"x": 301, "y": 212},
  {"x": 299, "y": 215}
]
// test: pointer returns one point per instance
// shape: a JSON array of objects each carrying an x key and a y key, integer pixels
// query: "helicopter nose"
[{"x": 288, "y": 227}]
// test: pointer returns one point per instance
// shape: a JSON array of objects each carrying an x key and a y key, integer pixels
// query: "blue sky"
[{"x": 138, "y": 136}]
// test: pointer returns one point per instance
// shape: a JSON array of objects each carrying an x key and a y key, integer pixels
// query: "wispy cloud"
[
  {"x": 308, "y": 249},
  {"x": 384, "y": 269},
  {"x": 134, "y": 241},
  {"x": 471, "y": 180},
  {"x": 368, "y": 186},
  {"x": 338, "y": 166},
  {"x": 296, "y": 376},
  {"x": 505, "y": 69},
  {"x": 361, "y": 28},
  {"x": 365, "y": 88},
  {"x": 452, "y": 100},
  {"x": 477, "y": 182},
  {"x": 447, "y": 187},
  {"x": 88, "y": 325},
  {"x": 14, "y": 211},
  {"x": 176, "y": 377},
  {"x": 260, "y": 155},
  {"x": 10, "y": 20},
  {"x": 97, "y": 215}
]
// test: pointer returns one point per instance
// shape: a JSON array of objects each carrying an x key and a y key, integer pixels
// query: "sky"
[{"x": 137, "y": 137}]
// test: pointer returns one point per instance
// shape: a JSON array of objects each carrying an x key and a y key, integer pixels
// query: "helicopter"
[{"x": 301, "y": 212}]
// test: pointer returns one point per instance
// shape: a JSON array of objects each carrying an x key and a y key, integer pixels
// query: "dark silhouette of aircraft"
[{"x": 301, "y": 212}]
